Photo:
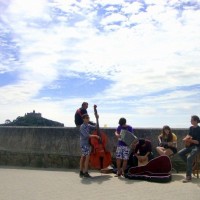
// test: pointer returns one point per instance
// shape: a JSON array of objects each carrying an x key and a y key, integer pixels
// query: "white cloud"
[
  {"x": 28, "y": 8},
  {"x": 148, "y": 52},
  {"x": 111, "y": 2},
  {"x": 113, "y": 18},
  {"x": 132, "y": 8}
]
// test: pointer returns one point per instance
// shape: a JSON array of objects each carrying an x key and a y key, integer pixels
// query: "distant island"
[{"x": 32, "y": 119}]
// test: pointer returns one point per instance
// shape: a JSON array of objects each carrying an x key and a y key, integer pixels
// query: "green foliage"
[{"x": 33, "y": 121}]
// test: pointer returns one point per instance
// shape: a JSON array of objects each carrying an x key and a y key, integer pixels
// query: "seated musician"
[
  {"x": 192, "y": 148},
  {"x": 142, "y": 153},
  {"x": 122, "y": 152},
  {"x": 167, "y": 142}
]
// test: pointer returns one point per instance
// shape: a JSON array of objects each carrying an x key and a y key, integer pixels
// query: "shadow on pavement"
[
  {"x": 180, "y": 177},
  {"x": 177, "y": 177},
  {"x": 97, "y": 179}
]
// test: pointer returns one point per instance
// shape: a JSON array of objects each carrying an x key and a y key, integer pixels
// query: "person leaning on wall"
[{"x": 79, "y": 113}]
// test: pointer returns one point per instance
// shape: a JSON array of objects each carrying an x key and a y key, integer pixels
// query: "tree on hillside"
[
  {"x": 32, "y": 119},
  {"x": 7, "y": 121}
]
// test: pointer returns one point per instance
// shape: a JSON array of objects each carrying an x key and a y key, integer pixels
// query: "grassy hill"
[{"x": 32, "y": 119}]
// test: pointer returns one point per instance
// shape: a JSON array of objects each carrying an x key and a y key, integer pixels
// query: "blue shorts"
[
  {"x": 85, "y": 150},
  {"x": 122, "y": 152}
]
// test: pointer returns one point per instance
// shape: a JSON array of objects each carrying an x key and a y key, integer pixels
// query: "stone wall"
[{"x": 59, "y": 147}]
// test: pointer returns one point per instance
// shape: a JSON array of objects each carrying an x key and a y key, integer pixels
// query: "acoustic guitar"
[{"x": 187, "y": 140}]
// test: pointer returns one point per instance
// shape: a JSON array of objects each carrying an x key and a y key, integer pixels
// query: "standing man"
[
  {"x": 79, "y": 113},
  {"x": 192, "y": 147},
  {"x": 122, "y": 152},
  {"x": 85, "y": 130}
]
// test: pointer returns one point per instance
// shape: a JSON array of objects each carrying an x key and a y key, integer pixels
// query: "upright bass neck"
[{"x": 97, "y": 120}]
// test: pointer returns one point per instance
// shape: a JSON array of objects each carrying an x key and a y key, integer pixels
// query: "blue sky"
[{"x": 134, "y": 59}]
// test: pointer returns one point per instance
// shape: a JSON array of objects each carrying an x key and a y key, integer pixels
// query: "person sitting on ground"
[
  {"x": 142, "y": 153},
  {"x": 167, "y": 142}
]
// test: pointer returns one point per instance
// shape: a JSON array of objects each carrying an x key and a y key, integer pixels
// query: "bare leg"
[
  {"x": 168, "y": 152},
  {"x": 119, "y": 161},
  {"x": 160, "y": 150},
  {"x": 82, "y": 161},
  {"x": 86, "y": 163},
  {"x": 124, "y": 166}
]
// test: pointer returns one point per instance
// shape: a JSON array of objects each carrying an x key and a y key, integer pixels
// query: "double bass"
[{"x": 100, "y": 158}]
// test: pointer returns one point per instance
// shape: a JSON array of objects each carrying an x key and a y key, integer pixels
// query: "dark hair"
[
  {"x": 84, "y": 103},
  {"x": 141, "y": 141},
  {"x": 85, "y": 116},
  {"x": 122, "y": 121},
  {"x": 195, "y": 118},
  {"x": 169, "y": 136}
]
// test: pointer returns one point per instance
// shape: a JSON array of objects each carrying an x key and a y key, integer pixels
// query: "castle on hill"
[{"x": 33, "y": 114}]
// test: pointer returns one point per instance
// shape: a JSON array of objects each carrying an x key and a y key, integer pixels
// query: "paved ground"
[{"x": 38, "y": 184}]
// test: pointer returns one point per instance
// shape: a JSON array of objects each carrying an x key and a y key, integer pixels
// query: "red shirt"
[{"x": 143, "y": 149}]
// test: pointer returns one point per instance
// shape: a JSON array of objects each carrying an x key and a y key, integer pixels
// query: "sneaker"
[
  {"x": 118, "y": 174},
  {"x": 81, "y": 174},
  {"x": 86, "y": 175},
  {"x": 126, "y": 175},
  {"x": 187, "y": 179}
]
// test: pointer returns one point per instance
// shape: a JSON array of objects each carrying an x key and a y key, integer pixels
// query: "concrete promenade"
[{"x": 57, "y": 184}]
